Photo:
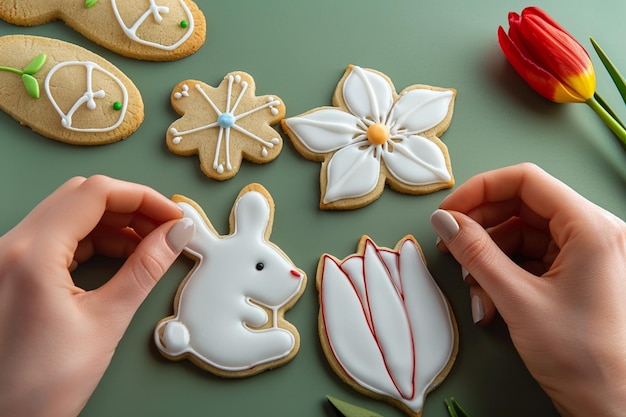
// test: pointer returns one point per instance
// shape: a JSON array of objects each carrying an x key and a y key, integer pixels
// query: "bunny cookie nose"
[{"x": 296, "y": 274}]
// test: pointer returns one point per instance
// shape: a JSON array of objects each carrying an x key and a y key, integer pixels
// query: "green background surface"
[{"x": 298, "y": 51}]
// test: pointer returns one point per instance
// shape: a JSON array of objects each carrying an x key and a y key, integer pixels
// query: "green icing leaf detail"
[
  {"x": 31, "y": 85},
  {"x": 350, "y": 410},
  {"x": 90, "y": 3},
  {"x": 35, "y": 65}
]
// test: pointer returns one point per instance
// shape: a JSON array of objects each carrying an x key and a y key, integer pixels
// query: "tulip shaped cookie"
[
  {"x": 65, "y": 92},
  {"x": 225, "y": 124},
  {"x": 385, "y": 326},
  {"x": 229, "y": 310},
  {"x": 155, "y": 30}
]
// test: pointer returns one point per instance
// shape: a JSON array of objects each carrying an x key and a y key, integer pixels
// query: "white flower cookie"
[
  {"x": 65, "y": 92},
  {"x": 155, "y": 30},
  {"x": 229, "y": 310},
  {"x": 225, "y": 124},
  {"x": 385, "y": 326},
  {"x": 375, "y": 136}
]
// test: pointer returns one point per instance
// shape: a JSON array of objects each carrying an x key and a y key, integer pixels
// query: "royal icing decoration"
[
  {"x": 89, "y": 98},
  {"x": 374, "y": 135},
  {"x": 229, "y": 308},
  {"x": 155, "y": 12},
  {"x": 386, "y": 324},
  {"x": 30, "y": 83},
  {"x": 225, "y": 124}
]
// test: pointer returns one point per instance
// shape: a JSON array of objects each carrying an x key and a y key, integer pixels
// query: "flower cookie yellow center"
[{"x": 377, "y": 134}]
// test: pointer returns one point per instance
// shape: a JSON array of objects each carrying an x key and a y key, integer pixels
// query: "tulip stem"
[{"x": 608, "y": 120}]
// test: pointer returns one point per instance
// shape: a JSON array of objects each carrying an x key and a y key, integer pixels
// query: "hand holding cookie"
[
  {"x": 57, "y": 339},
  {"x": 564, "y": 303}
]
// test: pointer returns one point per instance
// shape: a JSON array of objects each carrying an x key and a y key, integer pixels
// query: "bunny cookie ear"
[
  {"x": 253, "y": 212},
  {"x": 154, "y": 30},
  {"x": 65, "y": 92}
]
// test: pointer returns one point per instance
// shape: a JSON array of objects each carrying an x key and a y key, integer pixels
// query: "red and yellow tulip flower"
[
  {"x": 555, "y": 64},
  {"x": 547, "y": 57}
]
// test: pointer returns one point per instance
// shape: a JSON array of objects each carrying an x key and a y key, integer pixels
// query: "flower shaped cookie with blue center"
[{"x": 374, "y": 136}]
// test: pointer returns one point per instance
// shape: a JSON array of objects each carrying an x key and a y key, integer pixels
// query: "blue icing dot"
[{"x": 226, "y": 120}]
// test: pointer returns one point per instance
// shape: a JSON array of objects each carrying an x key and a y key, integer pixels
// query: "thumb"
[
  {"x": 471, "y": 245},
  {"x": 129, "y": 287}
]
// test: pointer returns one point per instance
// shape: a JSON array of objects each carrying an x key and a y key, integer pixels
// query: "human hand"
[
  {"x": 57, "y": 339},
  {"x": 553, "y": 265}
]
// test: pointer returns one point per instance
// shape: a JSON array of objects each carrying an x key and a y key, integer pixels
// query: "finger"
[
  {"x": 77, "y": 213},
  {"x": 120, "y": 298},
  {"x": 515, "y": 187},
  {"x": 107, "y": 241},
  {"x": 481, "y": 257},
  {"x": 141, "y": 224},
  {"x": 520, "y": 241}
]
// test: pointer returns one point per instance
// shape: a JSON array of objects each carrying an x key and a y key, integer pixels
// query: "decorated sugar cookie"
[
  {"x": 374, "y": 136},
  {"x": 386, "y": 328},
  {"x": 225, "y": 124},
  {"x": 229, "y": 310},
  {"x": 65, "y": 92},
  {"x": 156, "y": 30}
]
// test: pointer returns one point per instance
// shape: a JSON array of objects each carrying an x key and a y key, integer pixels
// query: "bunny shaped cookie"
[
  {"x": 154, "y": 30},
  {"x": 229, "y": 310}
]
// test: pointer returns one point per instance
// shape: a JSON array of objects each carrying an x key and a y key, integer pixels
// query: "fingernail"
[
  {"x": 444, "y": 224},
  {"x": 180, "y": 234},
  {"x": 478, "y": 310},
  {"x": 464, "y": 273}
]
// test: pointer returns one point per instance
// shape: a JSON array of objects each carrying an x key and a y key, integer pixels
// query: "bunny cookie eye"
[{"x": 259, "y": 266}]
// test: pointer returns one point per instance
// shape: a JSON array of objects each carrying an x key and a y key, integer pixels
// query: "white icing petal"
[
  {"x": 367, "y": 94},
  {"x": 390, "y": 323},
  {"x": 420, "y": 110},
  {"x": 390, "y": 260},
  {"x": 417, "y": 161},
  {"x": 351, "y": 172},
  {"x": 353, "y": 268},
  {"x": 325, "y": 130},
  {"x": 348, "y": 332},
  {"x": 430, "y": 321}
]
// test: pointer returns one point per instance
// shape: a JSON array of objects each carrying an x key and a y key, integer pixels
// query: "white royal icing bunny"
[{"x": 229, "y": 309}]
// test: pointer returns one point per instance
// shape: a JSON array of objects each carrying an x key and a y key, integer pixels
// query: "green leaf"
[
  {"x": 31, "y": 84},
  {"x": 349, "y": 410},
  {"x": 35, "y": 65},
  {"x": 90, "y": 3},
  {"x": 454, "y": 408},
  {"x": 613, "y": 72}
]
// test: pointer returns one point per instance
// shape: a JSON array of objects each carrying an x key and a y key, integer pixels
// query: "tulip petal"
[
  {"x": 554, "y": 48},
  {"x": 348, "y": 333},
  {"x": 538, "y": 78},
  {"x": 367, "y": 94},
  {"x": 417, "y": 161},
  {"x": 325, "y": 130},
  {"x": 419, "y": 110},
  {"x": 430, "y": 320},
  {"x": 351, "y": 172},
  {"x": 392, "y": 329}
]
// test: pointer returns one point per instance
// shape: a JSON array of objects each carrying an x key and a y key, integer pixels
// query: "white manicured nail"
[
  {"x": 445, "y": 225},
  {"x": 464, "y": 273},
  {"x": 478, "y": 310}
]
